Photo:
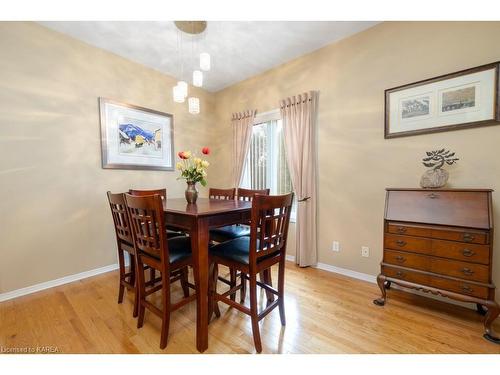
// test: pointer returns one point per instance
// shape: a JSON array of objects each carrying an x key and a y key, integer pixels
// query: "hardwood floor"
[{"x": 326, "y": 313}]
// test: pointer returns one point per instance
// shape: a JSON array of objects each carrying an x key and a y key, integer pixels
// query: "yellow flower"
[
  {"x": 204, "y": 163},
  {"x": 197, "y": 161},
  {"x": 187, "y": 154},
  {"x": 178, "y": 165}
]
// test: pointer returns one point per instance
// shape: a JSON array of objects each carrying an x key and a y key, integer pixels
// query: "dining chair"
[
  {"x": 163, "y": 193},
  {"x": 155, "y": 249},
  {"x": 226, "y": 194},
  {"x": 265, "y": 247},
  {"x": 125, "y": 244},
  {"x": 171, "y": 231},
  {"x": 223, "y": 194},
  {"x": 230, "y": 232}
]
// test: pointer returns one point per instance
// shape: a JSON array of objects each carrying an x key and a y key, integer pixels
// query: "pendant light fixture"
[
  {"x": 180, "y": 91},
  {"x": 178, "y": 94},
  {"x": 197, "y": 78},
  {"x": 194, "y": 105},
  {"x": 205, "y": 61},
  {"x": 194, "y": 102},
  {"x": 183, "y": 87}
]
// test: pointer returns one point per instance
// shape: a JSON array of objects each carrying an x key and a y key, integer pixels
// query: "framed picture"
[
  {"x": 136, "y": 138},
  {"x": 464, "y": 99}
]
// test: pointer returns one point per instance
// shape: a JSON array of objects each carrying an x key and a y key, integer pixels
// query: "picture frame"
[
  {"x": 464, "y": 99},
  {"x": 134, "y": 137}
]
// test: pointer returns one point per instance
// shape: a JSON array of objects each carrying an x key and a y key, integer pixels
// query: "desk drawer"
[
  {"x": 443, "y": 233},
  {"x": 425, "y": 279},
  {"x": 446, "y": 249},
  {"x": 461, "y": 270}
]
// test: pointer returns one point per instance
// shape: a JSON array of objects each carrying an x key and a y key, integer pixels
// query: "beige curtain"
[
  {"x": 298, "y": 114},
  {"x": 242, "y": 123}
]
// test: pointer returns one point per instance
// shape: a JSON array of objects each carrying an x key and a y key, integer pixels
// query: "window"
[{"x": 266, "y": 165}]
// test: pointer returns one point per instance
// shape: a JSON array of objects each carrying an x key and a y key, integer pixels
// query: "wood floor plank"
[{"x": 326, "y": 313}]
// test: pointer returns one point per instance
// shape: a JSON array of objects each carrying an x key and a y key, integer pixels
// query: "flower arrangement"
[{"x": 193, "y": 168}]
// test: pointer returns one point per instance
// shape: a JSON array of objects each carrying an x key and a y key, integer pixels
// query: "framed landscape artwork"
[
  {"x": 133, "y": 137},
  {"x": 464, "y": 99}
]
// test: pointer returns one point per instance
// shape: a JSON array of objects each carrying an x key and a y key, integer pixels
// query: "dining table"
[{"x": 197, "y": 219}]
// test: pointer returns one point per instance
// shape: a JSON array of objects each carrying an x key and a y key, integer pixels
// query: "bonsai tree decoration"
[{"x": 437, "y": 177}]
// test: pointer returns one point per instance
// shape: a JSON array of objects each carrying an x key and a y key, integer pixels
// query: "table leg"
[{"x": 199, "y": 247}]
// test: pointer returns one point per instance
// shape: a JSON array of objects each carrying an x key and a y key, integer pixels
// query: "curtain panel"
[
  {"x": 242, "y": 123},
  {"x": 298, "y": 114}
]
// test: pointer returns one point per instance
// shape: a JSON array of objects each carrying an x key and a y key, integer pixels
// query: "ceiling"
[{"x": 239, "y": 49}]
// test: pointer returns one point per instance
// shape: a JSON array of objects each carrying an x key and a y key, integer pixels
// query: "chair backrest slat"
[
  {"x": 248, "y": 194},
  {"x": 148, "y": 225},
  {"x": 269, "y": 225},
  {"x": 142, "y": 193},
  {"x": 120, "y": 217},
  {"x": 225, "y": 194}
]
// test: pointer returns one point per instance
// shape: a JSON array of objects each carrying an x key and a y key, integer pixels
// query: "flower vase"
[{"x": 191, "y": 193}]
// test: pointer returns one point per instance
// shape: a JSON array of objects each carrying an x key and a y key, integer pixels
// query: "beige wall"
[
  {"x": 356, "y": 164},
  {"x": 54, "y": 218}
]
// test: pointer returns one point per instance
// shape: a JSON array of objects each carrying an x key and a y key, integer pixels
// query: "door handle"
[
  {"x": 400, "y": 259},
  {"x": 468, "y": 253},
  {"x": 467, "y": 289},
  {"x": 467, "y": 237},
  {"x": 467, "y": 271}
]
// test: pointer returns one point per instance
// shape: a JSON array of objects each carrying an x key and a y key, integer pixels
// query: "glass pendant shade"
[
  {"x": 205, "y": 61},
  {"x": 197, "y": 78},
  {"x": 178, "y": 94},
  {"x": 183, "y": 87},
  {"x": 194, "y": 105}
]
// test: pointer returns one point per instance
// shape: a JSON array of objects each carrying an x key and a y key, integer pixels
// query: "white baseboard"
[
  {"x": 53, "y": 283},
  {"x": 346, "y": 272},
  {"x": 342, "y": 271},
  {"x": 373, "y": 279}
]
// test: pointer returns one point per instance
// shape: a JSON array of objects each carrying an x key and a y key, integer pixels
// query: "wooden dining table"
[{"x": 197, "y": 219}]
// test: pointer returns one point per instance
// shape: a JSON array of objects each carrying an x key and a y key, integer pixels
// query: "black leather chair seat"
[
  {"x": 179, "y": 248},
  {"x": 237, "y": 250},
  {"x": 229, "y": 232}
]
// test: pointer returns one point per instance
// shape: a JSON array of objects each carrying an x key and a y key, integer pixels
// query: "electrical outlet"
[
  {"x": 336, "y": 246},
  {"x": 365, "y": 251}
]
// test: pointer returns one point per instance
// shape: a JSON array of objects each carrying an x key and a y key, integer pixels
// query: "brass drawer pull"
[
  {"x": 467, "y": 271},
  {"x": 467, "y": 289},
  {"x": 400, "y": 242},
  {"x": 468, "y": 253},
  {"x": 400, "y": 274},
  {"x": 401, "y": 230},
  {"x": 400, "y": 259},
  {"x": 433, "y": 196},
  {"x": 467, "y": 237}
]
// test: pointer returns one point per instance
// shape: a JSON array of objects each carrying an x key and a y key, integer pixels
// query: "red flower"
[
  {"x": 205, "y": 150},
  {"x": 182, "y": 155}
]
